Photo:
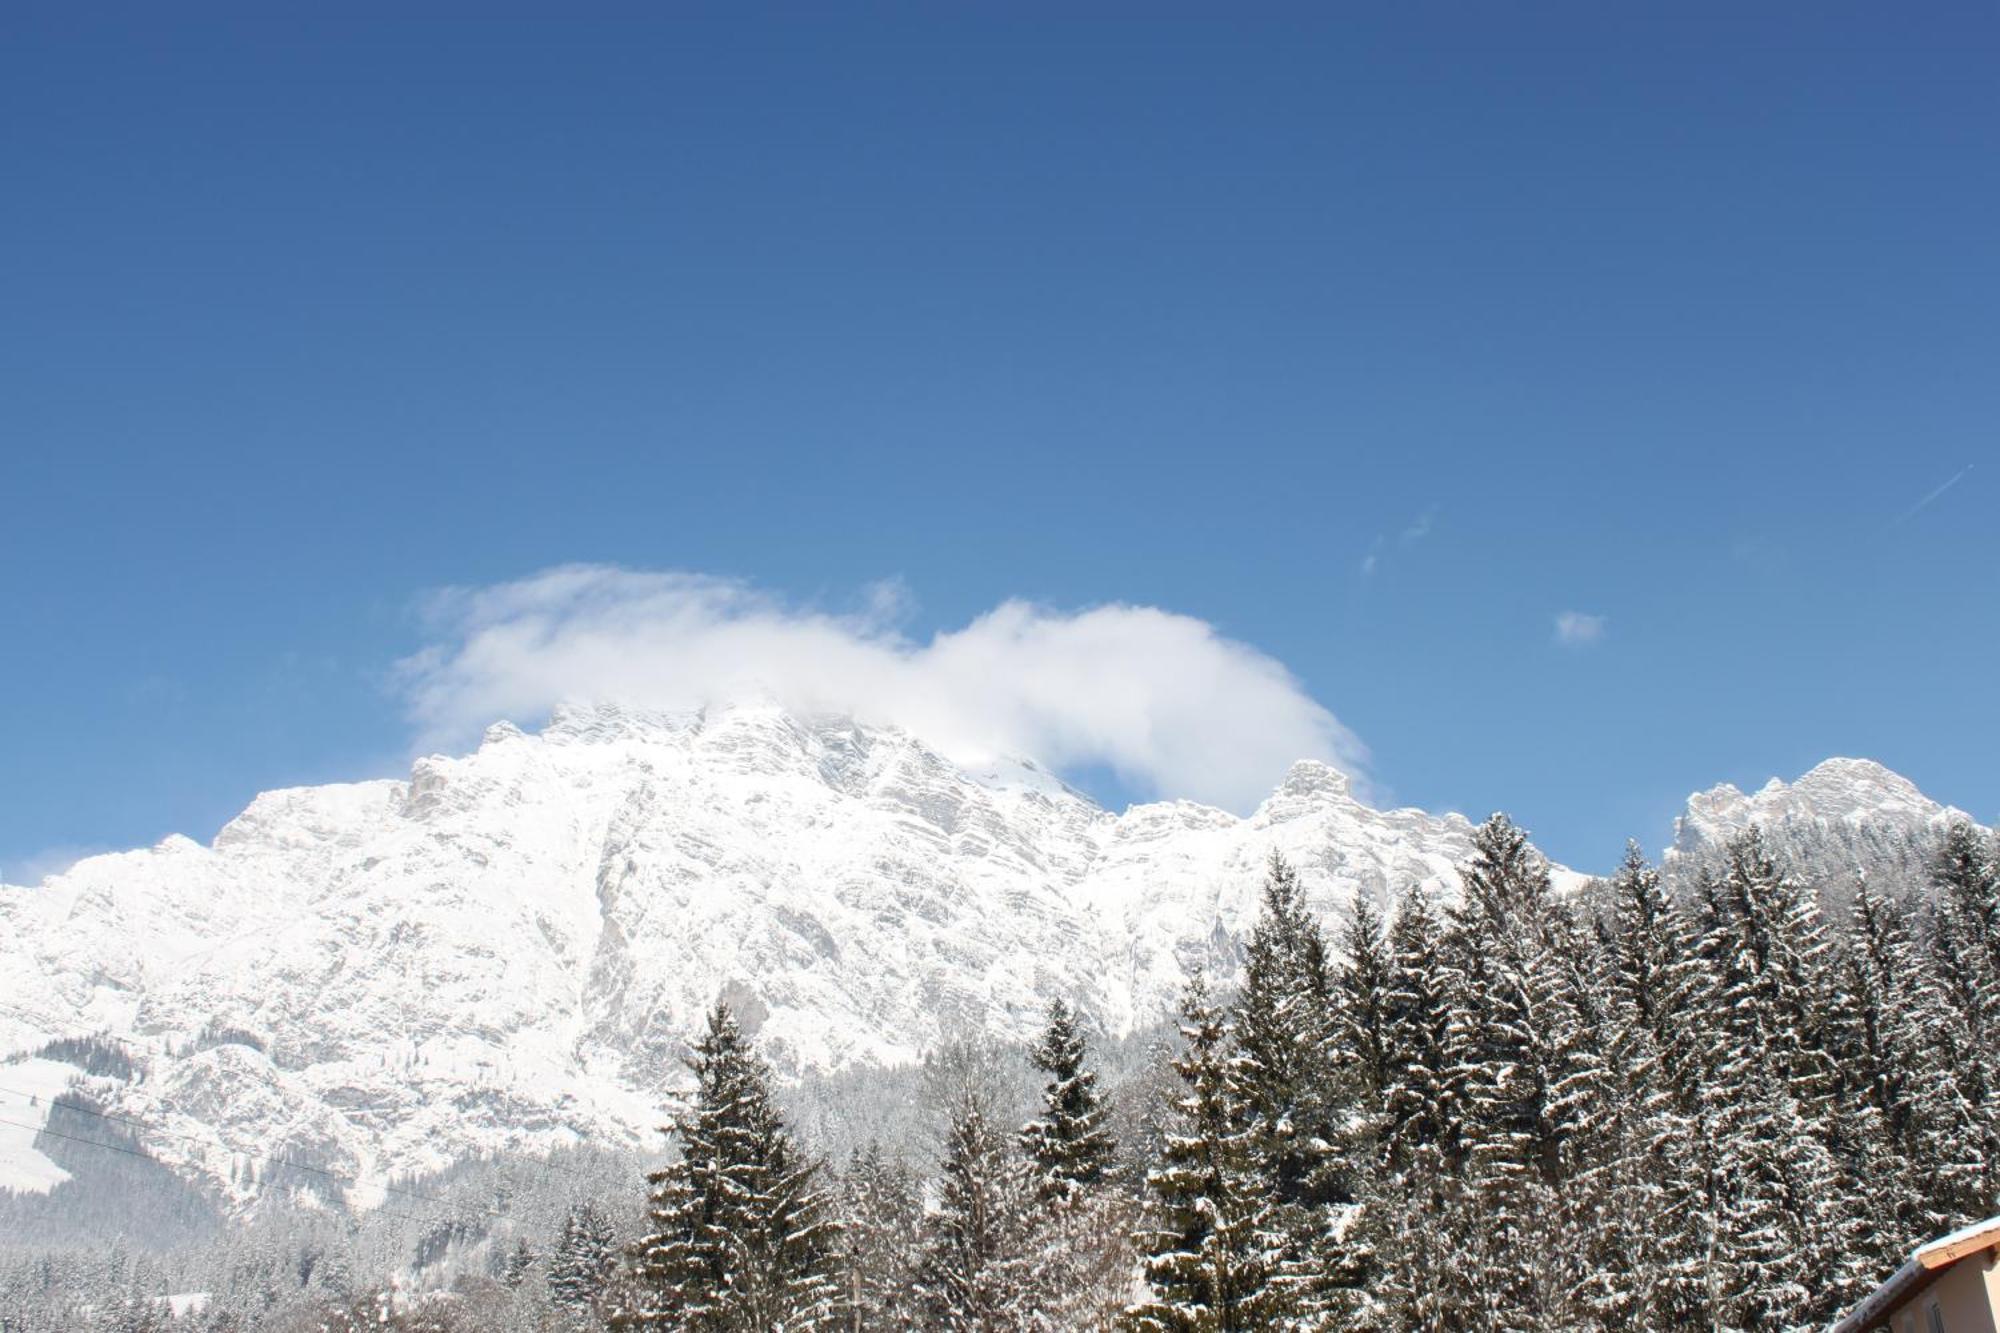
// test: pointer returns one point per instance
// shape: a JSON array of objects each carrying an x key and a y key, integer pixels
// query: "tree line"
[{"x": 1517, "y": 1110}]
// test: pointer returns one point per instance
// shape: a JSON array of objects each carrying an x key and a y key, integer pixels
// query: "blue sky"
[{"x": 1377, "y": 337}]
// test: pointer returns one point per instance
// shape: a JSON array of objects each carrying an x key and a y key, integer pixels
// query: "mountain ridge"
[
  {"x": 527, "y": 932},
  {"x": 1843, "y": 820},
  {"x": 506, "y": 950}
]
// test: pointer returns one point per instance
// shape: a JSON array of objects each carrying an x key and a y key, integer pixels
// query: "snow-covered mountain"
[
  {"x": 507, "y": 950},
  {"x": 1845, "y": 818}
]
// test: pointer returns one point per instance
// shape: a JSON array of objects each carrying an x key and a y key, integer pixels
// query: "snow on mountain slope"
[
  {"x": 29, "y": 1085},
  {"x": 508, "y": 949},
  {"x": 1844, "y": 818}
]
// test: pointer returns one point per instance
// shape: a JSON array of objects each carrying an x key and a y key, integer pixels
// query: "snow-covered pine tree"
[
  {"x": 1785, "y": 1210},
  {"x": 1966, "y": 874},
  {"x": 520, "y": 1262},
  {"x": 1299, "y": 1089},
  {"x": 1965, "y": 957},
  {"x": 1363, "y": 985},
  {"x": 1082, "y": 1257},
  {"x": 581, "y": 1264},
  {"x": 1591, "y": 1109},
  {"x": 1364, "y": 1049},
  {"x": 1528, "y": 1070},
  {"x": 1776, "y": 1194},
  {"x": 883, "y": 1211},
  {"x": 975, "y": 1273},
  {"x": 1070, "y": 1142},
  {"x": 1416, "y": 1217},
  {"x": 1653, "y": 977},
  {"x": 1209, "y": 1251},
  {"x": 1783, "y": 965},
  {"x": 1413, "y": 1198},
  {"x": 1422, "y": 1117},
  {"x": 1925, "y": 1161},
  {"x": 1284, "y": 1038},
  {"x": 742, "y": 1238},
  {"x": 1648, "y": 1261}
]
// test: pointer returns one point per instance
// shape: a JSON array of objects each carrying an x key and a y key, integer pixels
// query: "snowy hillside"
[
  {"x": 1844, "y": 818},
  {"x": 506, "y": 950}
]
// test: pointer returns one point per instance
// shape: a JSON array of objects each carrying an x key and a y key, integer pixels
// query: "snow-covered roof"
[{"x": 1927, "y": 1260}]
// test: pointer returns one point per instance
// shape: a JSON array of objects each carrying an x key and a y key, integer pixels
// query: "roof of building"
[{"x": 1918, "y": 1272}]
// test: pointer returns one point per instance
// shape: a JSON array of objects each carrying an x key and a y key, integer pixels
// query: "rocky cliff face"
[{"x": 506, "y": 950}]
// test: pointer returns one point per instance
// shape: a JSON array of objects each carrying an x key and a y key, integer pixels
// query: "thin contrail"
[{"x": 1930, "y": 499}]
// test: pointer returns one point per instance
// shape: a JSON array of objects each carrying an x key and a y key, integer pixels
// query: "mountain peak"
[
  {"x": 1314, "y": 777},
  {"x": 1838, "y": 782},
  {"x": 1844, "y": 816},
  {"x": 500, "y": 733},
  {"x": 1850, "y": 779}
]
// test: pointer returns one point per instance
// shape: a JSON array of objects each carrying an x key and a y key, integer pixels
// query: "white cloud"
[
  {"x": 1577, "y": 628},
  {"x": 1162, "y": 700}
]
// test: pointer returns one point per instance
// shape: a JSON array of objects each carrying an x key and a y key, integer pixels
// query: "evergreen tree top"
[
  {"x": 1505, "y": 876},
  {"x": 741, "y": 1236},
  {"x": 1068, "y": 1142},
  {"x": 1060, "y": 1050}
]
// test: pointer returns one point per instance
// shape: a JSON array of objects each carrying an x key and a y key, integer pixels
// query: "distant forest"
[{"x": 1734, "y": 1101}]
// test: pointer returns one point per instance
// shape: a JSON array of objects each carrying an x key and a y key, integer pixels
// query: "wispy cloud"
[
  {"x": 1932, "y": 498},
  {"x": 1164, "y": 700},
  {"x": 1577, "y": 629},
  {"x": 1418, "y": 529}
]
